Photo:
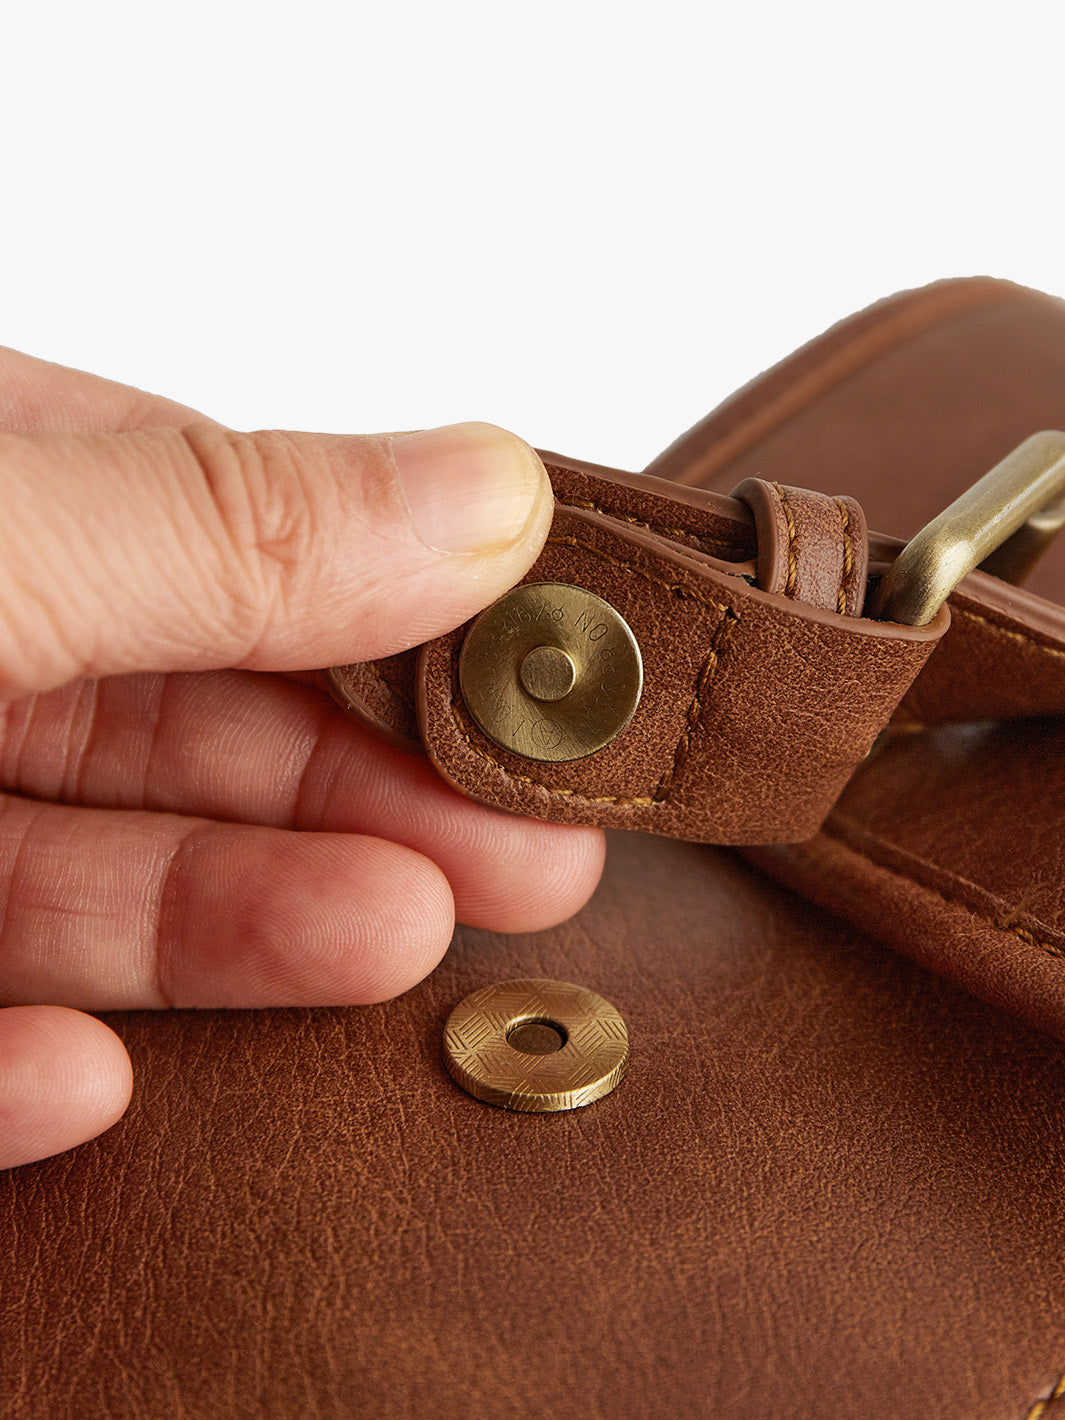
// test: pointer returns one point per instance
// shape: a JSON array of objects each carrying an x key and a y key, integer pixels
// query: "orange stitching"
[
  {"x": 638, "y": 802},
  {"x": 695, "y": 709},
  {"x": 789, "y": 585},
  {"x": 848, "y": 557},
  {"x": 831, "y": 829},
  {"x": 1025, "y": 636},
  {"x": 720, "y": 543},
  {"x": 677, "y": 588},
  {"x": 917, "y": 693},
  {"x": 1041, "y": 1407},
  {"x": 729, "y": 618}
]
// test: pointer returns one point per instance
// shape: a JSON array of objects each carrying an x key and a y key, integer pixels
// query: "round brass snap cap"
[
  {"x": 551, "y": 671},
  {"x": 536, "y": 1045}
]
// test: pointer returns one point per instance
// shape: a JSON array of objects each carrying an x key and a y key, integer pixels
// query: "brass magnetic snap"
[
  {"x": 536, "y": 1045},
  {"x": 551, "y": 671}
]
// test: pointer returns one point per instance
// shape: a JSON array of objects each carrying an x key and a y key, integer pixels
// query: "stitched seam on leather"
[
  {"x": 1013, "y": 635},
  {"x": 1026, "y": 638},
  {"x": 832, "y": 829},
  {"x": 722, "y": 544},
  {"x": 695, "y": 709},
  {"x": 848, "y": 557},
  {"x": 640, "y": 801},
  {"x": 789, "y": 585},
  {"x": 677, "y": 588},
  {"x": 1042, "y": 1407},
  {"x": 706, "y": 674}
]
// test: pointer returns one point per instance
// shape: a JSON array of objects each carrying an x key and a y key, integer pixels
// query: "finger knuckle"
[{"x": 265, "y": 498}]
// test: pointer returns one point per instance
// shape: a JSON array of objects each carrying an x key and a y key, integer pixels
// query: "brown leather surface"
[
  {"x": 749, "y": 727},
  {"x": 384, "y": 693},
  {"x": 948, "y": 844},
  {"x": 902, "y": 407},
  {"x": 828, "y": 1188}
]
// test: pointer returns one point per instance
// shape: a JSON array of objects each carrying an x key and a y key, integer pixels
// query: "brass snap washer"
[
  {"x": 536, "y": 1045},
  {"x": 551, "y": 671}
]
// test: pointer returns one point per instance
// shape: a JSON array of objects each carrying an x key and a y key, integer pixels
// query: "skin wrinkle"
[
  {"x": 11, "y": 748},
  {"x": 7, "y": 807},
  {"x": 158, "y": 719},
  {"x": 133, "y": 569},
  {"x": 88, "y": 691},
  {"x": 351, "y": 784},
  {"x": 71, "y": 748},
  {"x": 172, "y": 916},
  {"x": 33, "y": 639},
  {"x": 301, "y": 794},
  {"x": 227, "y": 464}
]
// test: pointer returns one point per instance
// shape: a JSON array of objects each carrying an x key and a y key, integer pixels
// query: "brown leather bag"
[{"x": 829, "y": 1184}]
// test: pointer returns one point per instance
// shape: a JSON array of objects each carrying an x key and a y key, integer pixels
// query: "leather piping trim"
[
  {"x": 789, "y": 585},
  {"x": 943, "y": 935},
  {"x": 901, "y": 318},
  {"x": 1006, "y": 919}
]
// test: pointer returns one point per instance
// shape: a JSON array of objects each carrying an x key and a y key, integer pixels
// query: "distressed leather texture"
[
  {"x": 811, "y": 547},
  {"x": 733, "y": 741},
  {"x": 947, "y": 844},
  {"x": 829, "y": 1185},
  {"x": 765, "y": 685}
]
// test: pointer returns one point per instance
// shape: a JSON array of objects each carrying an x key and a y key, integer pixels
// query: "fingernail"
[{"x": 469, "y": 487}]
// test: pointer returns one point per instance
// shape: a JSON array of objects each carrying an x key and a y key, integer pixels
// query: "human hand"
[{"x": 179, "y": 824}]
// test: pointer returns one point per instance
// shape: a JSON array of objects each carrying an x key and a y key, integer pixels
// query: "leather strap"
[
  {"x": 811, "y": 547},
  {"x": 764, "y": 686},
  {"x": 945, "y": 844}
]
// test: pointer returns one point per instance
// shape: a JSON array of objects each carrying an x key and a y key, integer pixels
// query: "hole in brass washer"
[{"x": 540, "y": 1037}]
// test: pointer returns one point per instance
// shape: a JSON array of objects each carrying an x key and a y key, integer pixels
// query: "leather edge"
[{"x": 1006, "y": 965}]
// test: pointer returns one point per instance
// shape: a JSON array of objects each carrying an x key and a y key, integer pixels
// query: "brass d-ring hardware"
[{"x": 1000, "y": 524}]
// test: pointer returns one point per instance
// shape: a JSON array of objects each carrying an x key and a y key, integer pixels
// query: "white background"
[{"x": 586, "y": 221}]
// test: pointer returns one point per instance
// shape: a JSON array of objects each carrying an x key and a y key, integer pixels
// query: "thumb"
[{"x": 198, "y": 548}]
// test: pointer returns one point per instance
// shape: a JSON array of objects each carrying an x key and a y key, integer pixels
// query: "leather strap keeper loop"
[{"x": 811, "y": 548}]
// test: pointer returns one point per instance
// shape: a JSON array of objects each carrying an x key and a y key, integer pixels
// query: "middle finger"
[{"x": 261, "y": 749}]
